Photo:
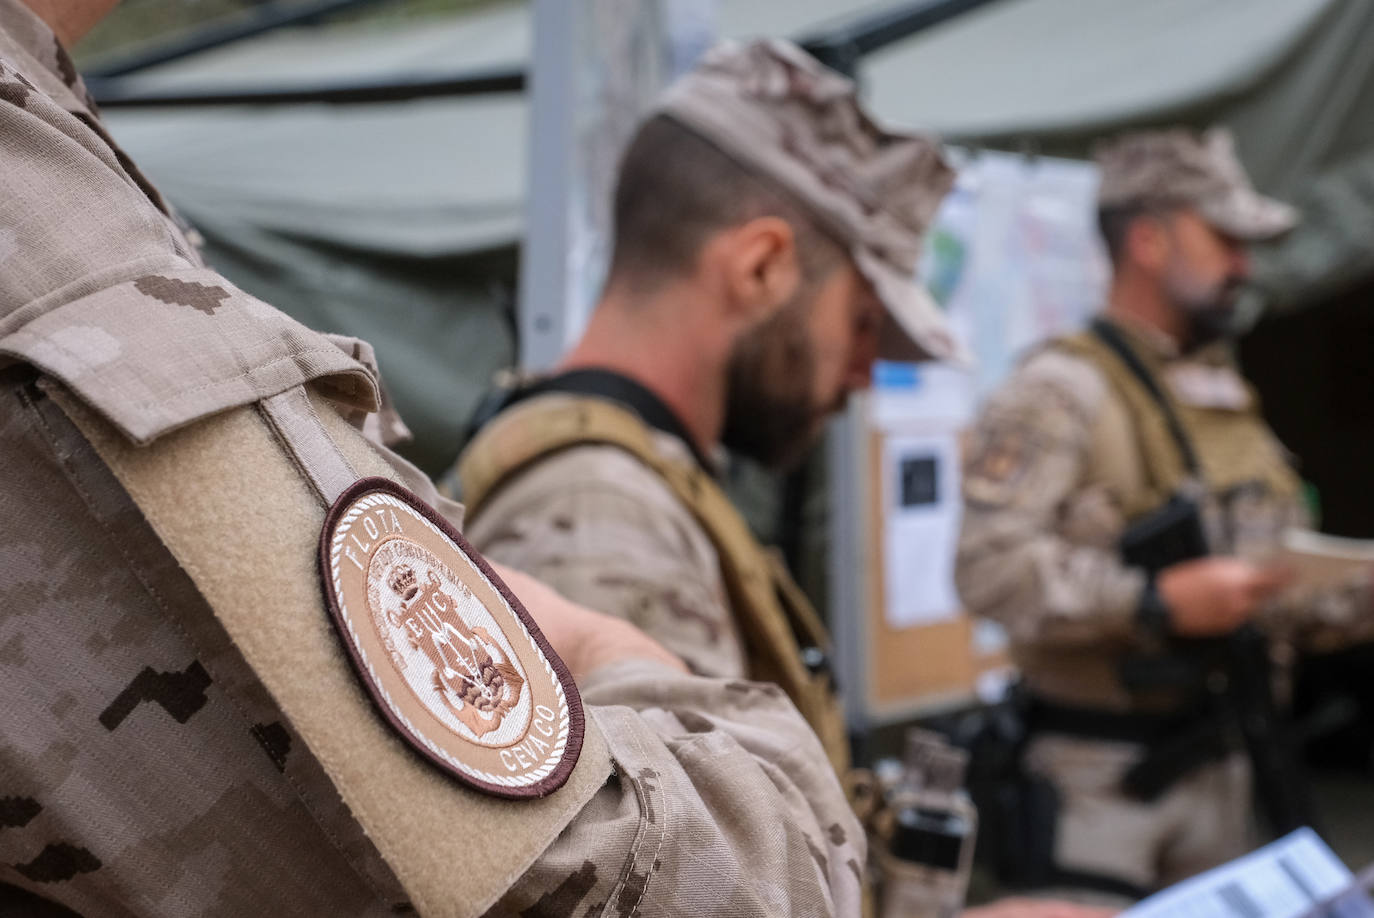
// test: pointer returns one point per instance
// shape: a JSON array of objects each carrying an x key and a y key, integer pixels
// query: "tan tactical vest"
[
  {"x": 773, "y": 614},
  {"x": 1234, "y": 448}
]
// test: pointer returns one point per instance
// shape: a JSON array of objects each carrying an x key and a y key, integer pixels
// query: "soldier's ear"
[
  {"x": 1148, "y": 243},
  {"x": 761, "y": 267}
]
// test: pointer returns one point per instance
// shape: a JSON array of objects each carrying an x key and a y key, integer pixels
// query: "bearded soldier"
[
  {"x": 766, "y": 238},
  {"x": 1122, "y": 494}
]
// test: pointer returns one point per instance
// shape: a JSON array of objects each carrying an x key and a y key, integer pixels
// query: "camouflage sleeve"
[
  {"x": 722, "y": 804},
  {"x": 138, "y": 736},
  {"x": 600, "y": 528},
  {"x": 1332, "y": 618},
  {"x": 1026, "y": 466}
]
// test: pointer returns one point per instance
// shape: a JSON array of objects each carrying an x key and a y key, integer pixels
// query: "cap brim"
[
  {"x": 1249, "y": 216},
  {"x": 916, "y": 329}
]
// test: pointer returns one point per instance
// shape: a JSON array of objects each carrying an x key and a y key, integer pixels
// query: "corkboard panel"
[{"x": 914, "y": 666}]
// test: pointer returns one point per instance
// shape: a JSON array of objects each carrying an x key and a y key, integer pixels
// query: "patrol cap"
[
  {"x": 1180, "y": 167},
  {"x": 777, "y": 110}
]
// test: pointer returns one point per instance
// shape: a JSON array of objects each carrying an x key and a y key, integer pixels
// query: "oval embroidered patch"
[{"x": 450, "y": 657}]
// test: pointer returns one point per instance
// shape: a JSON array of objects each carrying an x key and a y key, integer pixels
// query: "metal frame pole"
[
  {"x": 548, "y": 229},
  {"x": 847, "y": 464}
]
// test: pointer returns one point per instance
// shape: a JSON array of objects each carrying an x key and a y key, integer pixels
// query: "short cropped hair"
[
  {"x": 1114, "y": 223},
  {"x": 676, "y": 189}
]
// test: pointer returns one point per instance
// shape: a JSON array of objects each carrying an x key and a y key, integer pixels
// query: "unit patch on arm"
[{"x": 452, "y": 660}]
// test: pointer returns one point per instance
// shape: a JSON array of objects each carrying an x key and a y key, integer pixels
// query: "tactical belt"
[
  {"x": 1176, "y": 743},
  {"x": 1114, "y": 726}
]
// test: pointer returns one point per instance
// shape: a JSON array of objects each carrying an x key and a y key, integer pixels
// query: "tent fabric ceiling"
[
  {"x": 1057, "y": 66},
  {"x": 442, "y": 180},
  {"x": 492, "y": 36},
  {"x": 1292, "y": 77},
  {"x": 426, "y": 176},
  {"x": 393, "y": 222}
]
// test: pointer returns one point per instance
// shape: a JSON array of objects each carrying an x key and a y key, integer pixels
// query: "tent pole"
[
  {"x": 548, "y": 227},
  {"x": 598, "y": 66}
]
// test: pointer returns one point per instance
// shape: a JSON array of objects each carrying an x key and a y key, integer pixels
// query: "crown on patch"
[{"x": 403, "y": 582}]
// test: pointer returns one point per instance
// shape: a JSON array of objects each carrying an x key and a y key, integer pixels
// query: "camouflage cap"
[
  {"x": 777, "y": 110},
  {"x": 1179, "y": 167}
]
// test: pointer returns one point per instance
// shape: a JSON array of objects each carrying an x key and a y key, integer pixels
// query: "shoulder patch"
[{"x": 452, "y": 660}]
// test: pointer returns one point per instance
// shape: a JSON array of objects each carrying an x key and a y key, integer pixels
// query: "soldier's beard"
[
  {"x": 1208, "y": 310},
  {"x": 770, "y": 412}
]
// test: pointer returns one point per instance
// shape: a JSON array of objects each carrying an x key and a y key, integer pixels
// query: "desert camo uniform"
[
  {"x": 188, "y": 729},
  {"x": 603, "y": 494},
  {"x": 1067, "y": 452}
]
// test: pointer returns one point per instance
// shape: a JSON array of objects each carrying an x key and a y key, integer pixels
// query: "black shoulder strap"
[
  {"x": 1111, "y": 336},
  {"x": 602, "y": 384}
]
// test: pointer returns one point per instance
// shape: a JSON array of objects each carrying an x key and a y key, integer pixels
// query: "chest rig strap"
[{"x": 1111, "y": 336}]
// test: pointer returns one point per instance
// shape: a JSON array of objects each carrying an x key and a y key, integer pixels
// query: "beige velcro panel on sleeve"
[{"x": 245, "y": 524}]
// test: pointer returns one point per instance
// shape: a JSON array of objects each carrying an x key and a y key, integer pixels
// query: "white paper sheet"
[
  {"x": 1286, "y": 879},
  {"x": 920, "y": 491},
  {"x": 1014, "y": 256},
  {"x": 1320, "y": 561}
]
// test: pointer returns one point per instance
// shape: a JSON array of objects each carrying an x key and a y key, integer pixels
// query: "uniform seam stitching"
[
  {"x": 242, "y": 376},
  {"x": 662, "y": 832}
]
